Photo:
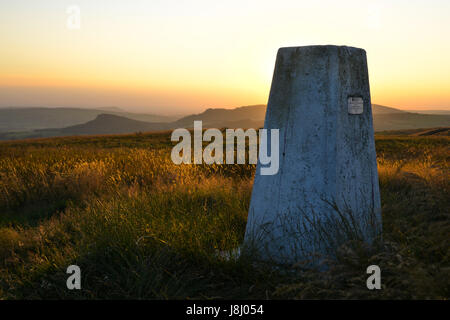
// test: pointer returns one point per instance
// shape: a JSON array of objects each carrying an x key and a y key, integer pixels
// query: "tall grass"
[{"x": 141, "y": 227}]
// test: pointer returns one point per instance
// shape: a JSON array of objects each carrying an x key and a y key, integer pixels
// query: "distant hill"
[
  {"x": 26, "y": 119},
  {"x": 379, "y": 109},
  {"x": 384, "y": 118},
  {"x": 226, "y": 117},
  {"x": 446, "y": 112},
  {"x": 433, "y": 132},
  {"x": 102, "y": 124},
  {"x": 110, "y": 124},
  {"x": 114, "y": 109},
  {"x": 419, "y": 132},
  {"x": 409, "y": 120}
]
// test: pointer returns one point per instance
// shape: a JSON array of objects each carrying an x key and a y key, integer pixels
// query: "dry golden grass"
[{"x": 141, "y": 227}]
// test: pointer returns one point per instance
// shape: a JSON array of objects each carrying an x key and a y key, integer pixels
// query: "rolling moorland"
[
  {"x": 23, "y": 123},
  {"x": 141, "y": 227}
]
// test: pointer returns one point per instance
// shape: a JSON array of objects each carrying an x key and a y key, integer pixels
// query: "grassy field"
[{"x": 141, "y": 227}]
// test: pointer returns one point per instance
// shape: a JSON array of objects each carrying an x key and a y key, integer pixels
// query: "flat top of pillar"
[{"x": 324, "y": 48}]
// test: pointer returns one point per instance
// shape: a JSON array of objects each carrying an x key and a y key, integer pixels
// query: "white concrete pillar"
[{"x": 326, "y": 190}]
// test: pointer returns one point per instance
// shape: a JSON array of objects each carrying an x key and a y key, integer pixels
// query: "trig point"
[{"x": 326, "y": 190}]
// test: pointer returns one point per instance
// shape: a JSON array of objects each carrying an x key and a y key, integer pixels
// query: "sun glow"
[{"x": 184, "y": 56}]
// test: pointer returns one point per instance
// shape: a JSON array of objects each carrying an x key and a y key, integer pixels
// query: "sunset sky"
[{"x": 184, "y": 56}]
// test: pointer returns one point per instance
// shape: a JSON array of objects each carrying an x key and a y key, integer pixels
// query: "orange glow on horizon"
[{"x": 185, "y": 57}]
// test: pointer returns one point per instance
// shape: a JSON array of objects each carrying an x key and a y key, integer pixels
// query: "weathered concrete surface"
[{"x": 326, "y": 190}]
